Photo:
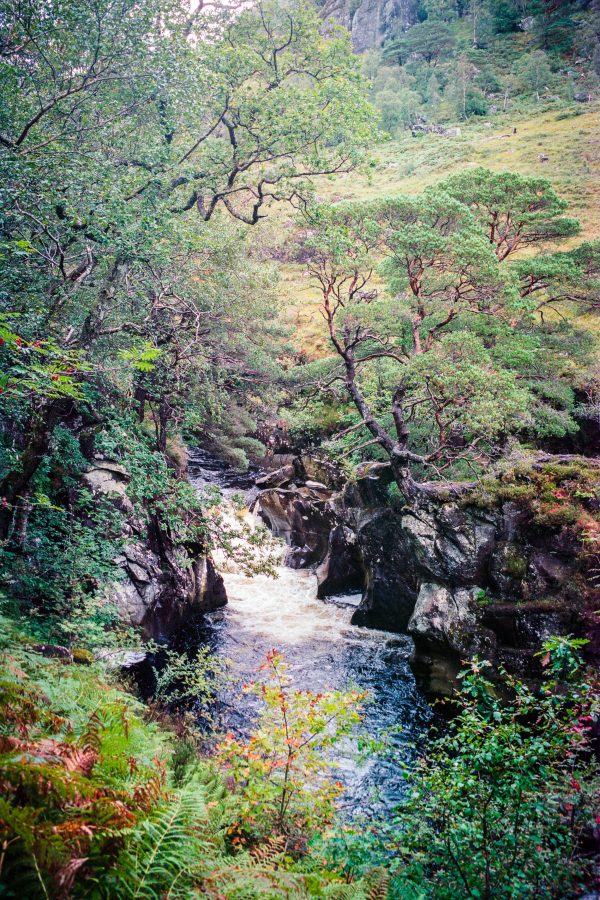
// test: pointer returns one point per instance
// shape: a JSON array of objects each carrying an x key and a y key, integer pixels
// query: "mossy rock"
[
  {"x": 81, "y": 656},
  {"x": 515, "y": 565}
]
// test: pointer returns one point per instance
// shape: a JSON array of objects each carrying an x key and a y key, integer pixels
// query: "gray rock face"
[
  {"x": 302, "y": 517},
  {"x": 111, "y": 479},
  {"x": 462, "y": 580},
  {"x": 446, "y": 617},
  {"x": 371, "y": 22},
  {"x": 163, "y": 583},
  {"x": 341, "y": 570}
]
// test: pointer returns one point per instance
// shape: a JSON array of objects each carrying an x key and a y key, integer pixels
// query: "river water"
[{"x": 323, "y": 652}]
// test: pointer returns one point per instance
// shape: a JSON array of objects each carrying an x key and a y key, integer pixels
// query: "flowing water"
[{"x": 323, "y": 651}]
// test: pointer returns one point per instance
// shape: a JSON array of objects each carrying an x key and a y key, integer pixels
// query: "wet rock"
[
  {"x": 302, "y": 517},
  {"x": 53, "y": 651},
  {"x": 390, "y": 588},
  {"x": 162, "y": 582},
  {"x": 445, "y": 619},
  {"x": 159, "y": 592},
  {"x": 341, "y": 570},
  {"x": 524, "y": 626},
  {"x": 463, "y": 579},
  {"x": 278, "y": 478},
  {"x": 449, "y": 542},
  {"x": 121, "y": 659},
  {"x": 316, "y": 486}
]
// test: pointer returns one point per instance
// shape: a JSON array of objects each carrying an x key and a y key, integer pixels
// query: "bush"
[{"x": 500, "y": 805}]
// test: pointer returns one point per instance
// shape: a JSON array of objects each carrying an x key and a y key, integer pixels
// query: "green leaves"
[
  {"x": 500, "y": 803},
  {"x": 143, "y": 358},
  {"x": 463, "y": 346},
  {"x": 282, "y": 775}
]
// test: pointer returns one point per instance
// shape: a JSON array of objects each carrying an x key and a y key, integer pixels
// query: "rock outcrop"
[
  {"x": 474, "y": 576},
  {"x": 371, "y": 22},
  {"x": 162, "y": 583},
  {"x": 298, "y": 512}
]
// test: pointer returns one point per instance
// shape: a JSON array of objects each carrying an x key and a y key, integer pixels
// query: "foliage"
[
  {"x": 98, "y": 802},
  {"x": 489, "y": 56},
  {"x": 281, "y": 776},
  {"x": 500, "y": 804},
  {"x": 138, "y": 143},
  {"x": 460, "y": 350}
]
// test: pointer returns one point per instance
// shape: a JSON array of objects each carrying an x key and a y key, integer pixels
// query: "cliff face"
[
  {"x": 371, "y": 22},
  {"x": 163, "y": 584},
  {"x": 490, "y": 576}
]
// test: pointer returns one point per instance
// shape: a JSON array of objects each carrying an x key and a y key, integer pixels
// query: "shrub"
[{"x": 499, "y": 806}]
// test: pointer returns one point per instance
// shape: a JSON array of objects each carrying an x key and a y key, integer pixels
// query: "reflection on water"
[{"x": 323, "y": 651}]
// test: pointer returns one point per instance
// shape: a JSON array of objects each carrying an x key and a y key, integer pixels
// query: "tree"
[
  {"x": 454, "y": 356},
  {"x": 481, "y": 22},
  {"x": 129, "y": 130},
  {"x": 514, "y": 210},
  {"x": 500, "y": 804},
  {"x": 534, "y": 73},
  {"x": 460, "y": 87},
  {"x": 428, "y": 40},
  {"x": 282, "y": 774},
  {"x": 434, "y": 95}
]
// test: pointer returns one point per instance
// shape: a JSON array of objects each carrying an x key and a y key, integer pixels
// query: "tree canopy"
[
  {"x": 137, "y": 142},
  {"x": 455, "y": 354}
]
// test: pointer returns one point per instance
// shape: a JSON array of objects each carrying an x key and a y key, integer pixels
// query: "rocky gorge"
[{"x": 491, "y": 574}]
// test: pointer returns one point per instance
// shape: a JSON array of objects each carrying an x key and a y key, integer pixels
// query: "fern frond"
[
  {"x": 269, "y": 851},
  {"x": 163, "y": 851}
]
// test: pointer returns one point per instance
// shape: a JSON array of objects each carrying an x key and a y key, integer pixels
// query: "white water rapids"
[{"x": 323, "y": 650}]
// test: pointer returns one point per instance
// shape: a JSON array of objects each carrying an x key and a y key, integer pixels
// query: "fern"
[
  {"x": 269, "y": 851},
  {"x": 163, "y": 851}
]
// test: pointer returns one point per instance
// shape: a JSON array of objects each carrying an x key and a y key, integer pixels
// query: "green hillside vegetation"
[
  {"x": 100, "y": 801},
  {"x": 569, "y": 137}
]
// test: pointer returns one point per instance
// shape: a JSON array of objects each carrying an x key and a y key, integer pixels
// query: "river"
[{"x": 323, "y": 651}]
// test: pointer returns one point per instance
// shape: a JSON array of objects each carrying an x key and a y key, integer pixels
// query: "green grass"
[{"x": 568, "y": 135}]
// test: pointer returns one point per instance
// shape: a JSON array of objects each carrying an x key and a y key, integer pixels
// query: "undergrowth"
[{"x": 99, "y": 802}]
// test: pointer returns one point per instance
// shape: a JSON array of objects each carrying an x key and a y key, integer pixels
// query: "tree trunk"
[
  {"x": 163, "y": 425},
  {"x": 140, "y": 396}
]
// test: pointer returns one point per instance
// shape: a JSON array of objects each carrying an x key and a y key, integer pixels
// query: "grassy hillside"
[{"x": 568, "y": 136}]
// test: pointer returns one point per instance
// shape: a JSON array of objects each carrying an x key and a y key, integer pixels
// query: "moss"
[
  {"x": 557, "y": 514},
  {"x": 82, "y": 656},
  {"x": 515, "y": 565},
  {"x": 482, "y": 598},
  {"x": 555, "y": 494}
]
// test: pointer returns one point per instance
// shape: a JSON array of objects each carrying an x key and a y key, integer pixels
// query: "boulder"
[
  {"x": 301, "y": 516},
  {"x": 110, "y": 479},
  {"x": 162, "y": 582},
  {"x": 277, "y": 478},
  {"x": 341, "y": 570},
  {"x": 448, "y": 620}
]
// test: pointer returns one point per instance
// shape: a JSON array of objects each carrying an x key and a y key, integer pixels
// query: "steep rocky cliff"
[
  {"x": 162, "y": 583},
  {"x": 493, "y": 574},
  {"x": 371, "y": 22}
]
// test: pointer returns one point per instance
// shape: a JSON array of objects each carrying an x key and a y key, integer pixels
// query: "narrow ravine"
[{"x": 323, "y": 650}]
